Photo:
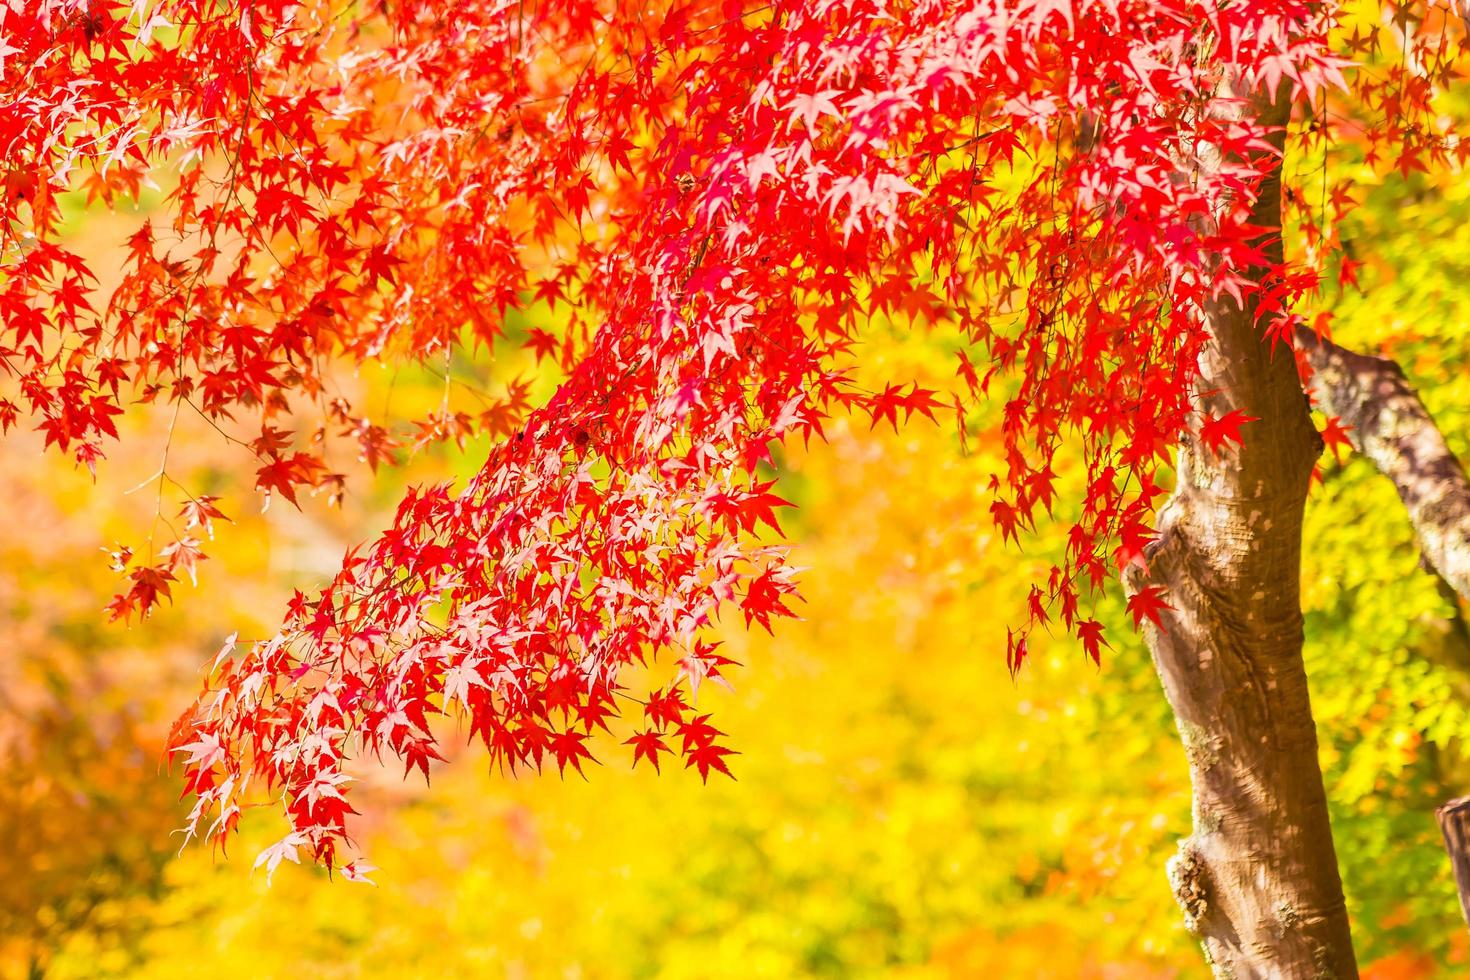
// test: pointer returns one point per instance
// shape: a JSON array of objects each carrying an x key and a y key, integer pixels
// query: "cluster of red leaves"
[
  {"x": 1390, "y": 117},
  {"x": 745, "y": 186},
  {"x": 331, "y": 191}
]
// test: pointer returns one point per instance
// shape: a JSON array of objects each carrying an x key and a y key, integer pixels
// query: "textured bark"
[
  {"x": 1454, "y": 823},
  {"x": 1257, "y": 878},
  {"x": 1391, "y": 427}
]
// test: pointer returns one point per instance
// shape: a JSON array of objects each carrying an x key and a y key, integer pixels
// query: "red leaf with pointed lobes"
[
  {"x": 647, "y": 745},
  {"x": 666, "y": 708},
  {"x": 150, "y": 584},
  {"x": 1335, "y": 437},
  {"x": 570, "y": 748},
  {"x": 1216, "y": 434},
  {"x": 1146, "y": 604},
  {"x": 285, "y": 474},
  {"x": 542, "y": 342},
  {"x": 707, "y": 757},
  {"x": 1006, "y": 519},
  {"x": 184, "y": 555},
  {"x": 765, "y": 597},
  {"x": 1090, "y": 632},
  {"x": 1133, "y": 538},
  {"x": 201, "y": 512}
]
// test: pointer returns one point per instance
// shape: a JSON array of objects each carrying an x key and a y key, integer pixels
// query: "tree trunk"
[
  {"x": 1257, "y": 878},
  {"x": 1454, "y": 823}
]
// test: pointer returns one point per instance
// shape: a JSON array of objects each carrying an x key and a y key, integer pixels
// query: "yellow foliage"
[{"x": 903, "y": 807}]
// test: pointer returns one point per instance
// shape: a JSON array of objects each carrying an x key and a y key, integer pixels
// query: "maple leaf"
[
  {"x": 647, "y": 745},
  {"x": 542, "y": 342},
  {"x": 696, "y": 733},
  {"x": 1006, "y": 519},
  {"x": 665, "y": 707},
  {"x": 149, "y": 584},
  {"x": 286, "y": 849},
  {"x": 1335, "y": 437},
  {"x": 358, "y": 871},
  {"x": 810, "y": 106},
  {"x": 283, "y": 474},
  {"x": 1090, "y": 632},
  {"x": 201, "y": 512},
  {"x": 377, "y": 444},
  {"x": 548, "y": 291},
  {"x": 1217, "y": 433},
  {"x": 707, "y": 757},
  {"x": 765, "y": 597},
  {"x": 118, "y": 559},
  {"x": 569, "y": 748},
  {"x": 1146, "y": 604},
  {"x": 184, "y": 555}
]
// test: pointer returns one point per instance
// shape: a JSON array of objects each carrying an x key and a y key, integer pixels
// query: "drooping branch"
[{"x": 1391, "y": 426}]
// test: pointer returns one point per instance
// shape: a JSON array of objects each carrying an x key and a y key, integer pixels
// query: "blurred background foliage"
[{"x": 903, "y": 806}]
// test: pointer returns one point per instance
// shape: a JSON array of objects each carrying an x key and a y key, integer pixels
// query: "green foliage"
[{"x": 1387, "y": 647}]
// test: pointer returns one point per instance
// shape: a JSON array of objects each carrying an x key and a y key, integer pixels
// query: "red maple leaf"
[
  {"x": 1146, "y": 603},
  {"x": 1217, "y": 433},
  {"x": 647, "y": 745}
]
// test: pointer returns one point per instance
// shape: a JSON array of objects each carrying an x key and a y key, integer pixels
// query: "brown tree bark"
[
  {"x": 1390, "y": 426},
  {"x": 1454, "y": 823},
  {"x": 1258, "y": 877},
  {"x": 1388, "y": 423}
]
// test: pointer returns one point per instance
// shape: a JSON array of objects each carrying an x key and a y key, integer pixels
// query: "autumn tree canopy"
[{"x": 703, "y": 209}]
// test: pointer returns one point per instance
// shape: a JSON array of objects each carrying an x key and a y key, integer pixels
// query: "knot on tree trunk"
[{"x": 1187, "y": 878}]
